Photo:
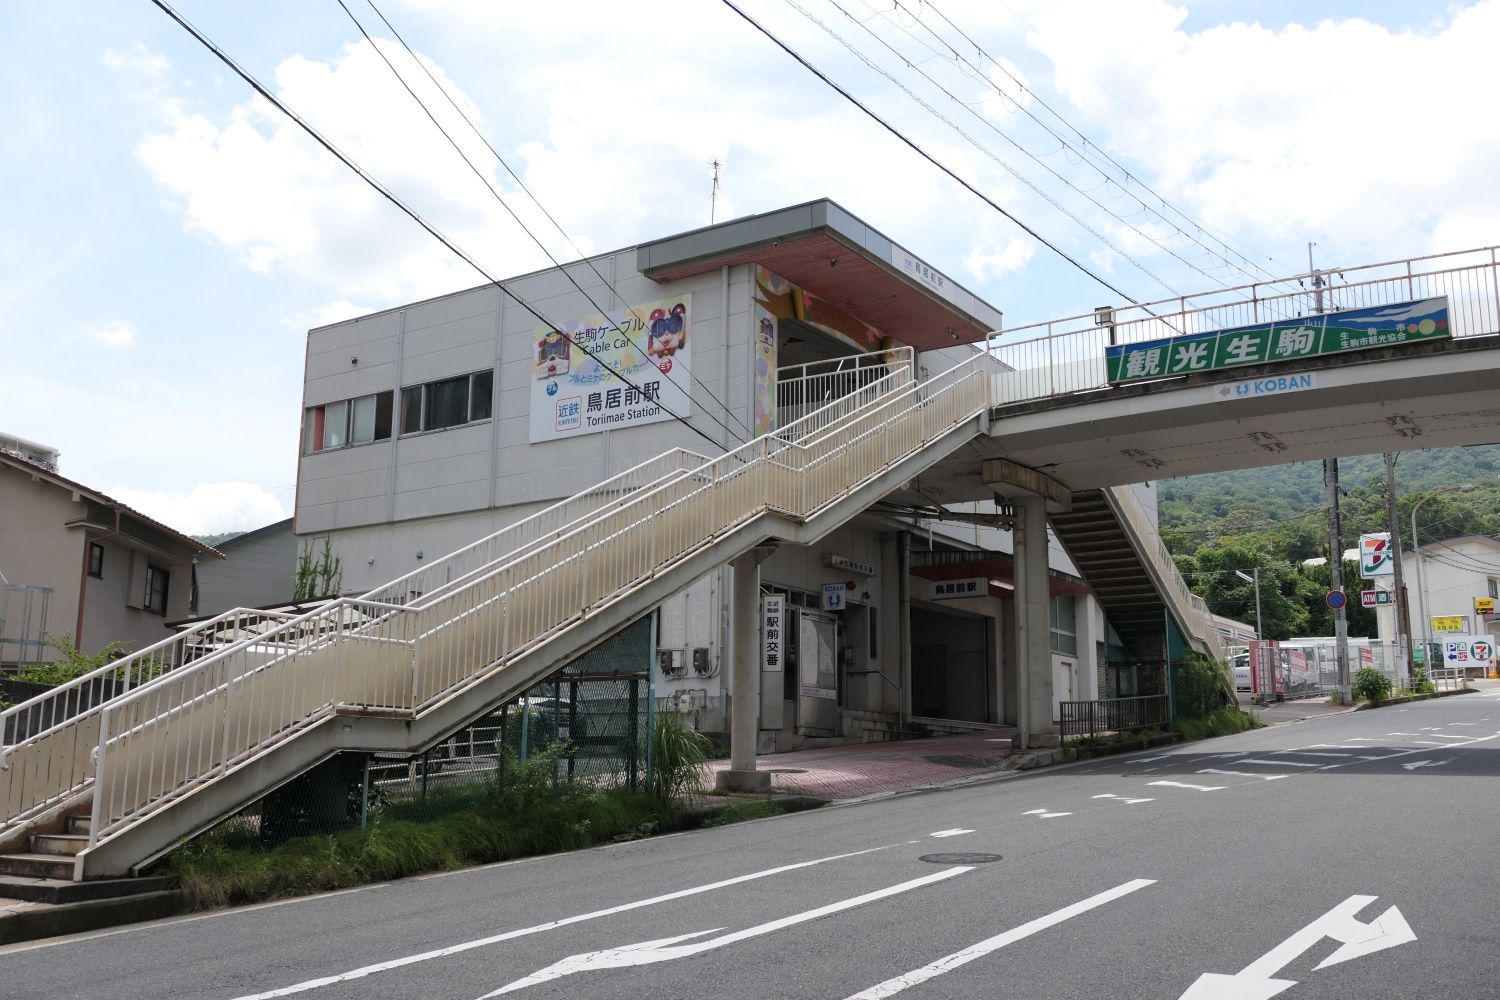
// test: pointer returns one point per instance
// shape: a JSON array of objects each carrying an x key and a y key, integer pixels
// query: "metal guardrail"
[
  {"x": 1111, "y": 715},
  {"x": 1067, "y": 355}
]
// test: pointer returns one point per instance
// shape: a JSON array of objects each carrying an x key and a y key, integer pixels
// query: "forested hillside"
[{"x": 1275, "y": 518}]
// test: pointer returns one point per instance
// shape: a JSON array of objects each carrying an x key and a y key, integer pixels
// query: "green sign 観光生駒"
[{"x": 1283, "y": 340}]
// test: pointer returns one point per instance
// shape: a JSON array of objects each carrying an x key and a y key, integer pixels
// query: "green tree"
[{"x": 1211, "y": 573}]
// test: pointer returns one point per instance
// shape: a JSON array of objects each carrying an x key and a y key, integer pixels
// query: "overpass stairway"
[
  {"x": 1113, "y": 542},
  {"x": 104, "y": 775}
]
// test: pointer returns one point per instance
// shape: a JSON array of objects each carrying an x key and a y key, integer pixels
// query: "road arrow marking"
[
  {"x": 1044, "y": 814},
  {"x": 1425, "y": 763},
  {"x": 1243, "y": 774},
  {"x": 1121, "y": 798},
  {"x": 948, "y": 963},
  {"x": 455, "y": 949},
  {"x": 1183, "y": 784},
  {"x": 956, "y": 831},
  {"x": 670, "y": 949},
  {"x": 1257, "y": 981}
]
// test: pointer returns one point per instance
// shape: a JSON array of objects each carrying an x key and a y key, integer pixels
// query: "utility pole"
[
  {"x": 1336, "y": 566},
  {"x": 713, "y": 196},
  {"x": 1402, "y": 609}
]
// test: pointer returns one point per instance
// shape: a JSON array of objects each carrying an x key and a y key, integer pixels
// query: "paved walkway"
[{"x": 857, "y": 770}]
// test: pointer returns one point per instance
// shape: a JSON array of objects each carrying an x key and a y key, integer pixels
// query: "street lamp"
[
  {"x": 1421, "y": 581},
  {"x": 1259, "y": 632}
]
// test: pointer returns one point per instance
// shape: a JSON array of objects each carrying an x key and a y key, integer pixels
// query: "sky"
[{"x": 167, "y": 238}]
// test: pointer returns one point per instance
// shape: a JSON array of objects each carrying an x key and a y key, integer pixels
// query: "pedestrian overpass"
[{"x": 101, "y": 779}]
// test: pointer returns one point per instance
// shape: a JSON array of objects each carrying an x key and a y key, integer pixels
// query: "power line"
[
  {"x": 994, "y": 128},
  {"x": 1126, "y": 173},
  {"x": 491, "y": 188},
  {"x": 920, "y": 151},
  {"x": 1148, "y": 123},
  {"x": 390, "y": 196}
]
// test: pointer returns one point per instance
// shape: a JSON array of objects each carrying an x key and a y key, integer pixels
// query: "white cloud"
[
  {"x": 989, "y": 263},
  {"x": 1344, "y": 132},
  {"x": 118, "y": 335},
  {"x": 137, "y": 59},
  {"x": 207, "y": 508}
]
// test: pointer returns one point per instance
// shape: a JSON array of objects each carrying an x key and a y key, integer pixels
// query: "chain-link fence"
[{"x": 586, "y": 725}]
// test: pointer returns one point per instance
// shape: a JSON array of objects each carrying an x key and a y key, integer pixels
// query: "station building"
[{"x": 428, "y": 426}]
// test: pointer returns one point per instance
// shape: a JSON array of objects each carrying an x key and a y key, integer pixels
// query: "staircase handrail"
[
  {"x": 572, "y": 550},
  {"x": 143, "y": 665},
  {"x": 131, "y": 670}
]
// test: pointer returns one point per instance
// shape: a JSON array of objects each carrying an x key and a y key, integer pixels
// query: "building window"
[
  {"x": 1064, "y": 626},
  {"x": 157, "y": 580},
  {"x": 96, "y": 560},
  {"x": 448, "y": 402},
  {"x": 349, "y": 421},
  {"x": 1495, "y": 588}
]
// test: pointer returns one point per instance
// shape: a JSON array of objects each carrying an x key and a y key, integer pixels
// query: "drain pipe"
[
  {"x": 83, "y": 577},
  {"x": 903, "y": 598}
]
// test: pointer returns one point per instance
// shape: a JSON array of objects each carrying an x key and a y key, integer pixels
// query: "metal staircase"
[{"x": 163, "y": 744}]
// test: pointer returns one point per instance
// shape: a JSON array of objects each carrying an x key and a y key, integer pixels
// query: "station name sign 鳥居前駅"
[{"x": 1281, "y": 340}]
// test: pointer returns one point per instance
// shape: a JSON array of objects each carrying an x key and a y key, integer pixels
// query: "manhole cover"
[
  {"x": 959, "y": 858},
  {"x": 954, "y": 760},
  {"x": 786, "y": 770}
]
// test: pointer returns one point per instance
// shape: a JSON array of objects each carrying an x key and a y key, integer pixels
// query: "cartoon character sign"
[
  {"x": 553, "y": 353},
  {"x": 668, "y": 331}
]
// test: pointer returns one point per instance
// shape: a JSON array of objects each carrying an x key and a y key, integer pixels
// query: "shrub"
[
  {"x": 1220, "y": 722},
  {"x": 1370, "y": 684},
  {"x": 1198, "y": 686},
  {"x": 678, "y": 753},
  {"x": 1420, "y": 682}
]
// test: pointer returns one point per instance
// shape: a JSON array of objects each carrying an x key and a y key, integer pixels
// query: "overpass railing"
[{"x": 1068, "y": 355}]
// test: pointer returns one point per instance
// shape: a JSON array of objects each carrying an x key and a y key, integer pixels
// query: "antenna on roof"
[{"x": 713, "y": 195}]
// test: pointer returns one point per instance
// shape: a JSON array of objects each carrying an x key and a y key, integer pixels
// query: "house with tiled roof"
[{"x": 77, "y": 562}]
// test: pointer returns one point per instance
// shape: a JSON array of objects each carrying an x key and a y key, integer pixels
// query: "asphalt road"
[{"x": 1341, "y": 857}]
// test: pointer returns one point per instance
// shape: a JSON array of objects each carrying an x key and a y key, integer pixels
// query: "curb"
[{"x": 43, "y": 920}]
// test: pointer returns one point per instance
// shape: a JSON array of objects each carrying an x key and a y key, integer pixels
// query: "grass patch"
[
  {"x": 739, "y": 812},
  {"x": 455, "y": 830},
  {"x": 1220, "y": 722}
]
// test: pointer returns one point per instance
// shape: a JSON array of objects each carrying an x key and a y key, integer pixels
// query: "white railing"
[
  {"x": 1068, "y": 355},
  {"x": 46, "y": 742},
  {"x": 801, "y": 389},
  {"x": 185, "y": 728}
]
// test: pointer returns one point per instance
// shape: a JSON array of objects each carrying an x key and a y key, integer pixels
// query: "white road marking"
[
  {"x": 1432, "y": 743},
  {"x": 955, "y": 832},
  {"x": 1318, "y": 753},
  {"x": 1257, "y": 981},
  {"x": 1044, "y": 814},
  {"x": 948, "y": 963},
  {"x": 1121, "y": 798},
  {"x": 1425, "y": 763},
  {"x": 456, "y": 949},
  {"x": 1183, "y": 784},
  {"x": 670, "y": 949},
  {"x": 1279, "y": 763},
  {"x": 1244, "y": 774}
]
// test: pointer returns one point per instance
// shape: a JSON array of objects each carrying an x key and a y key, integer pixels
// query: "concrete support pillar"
[
  {"x": 1033, "y": 623},
  {"x": 744, "y": 689}
]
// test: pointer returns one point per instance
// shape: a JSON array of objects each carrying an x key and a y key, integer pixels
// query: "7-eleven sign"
[{"x": 1375, "y": 557}]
